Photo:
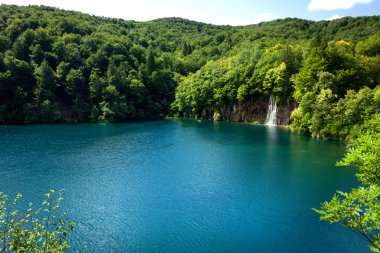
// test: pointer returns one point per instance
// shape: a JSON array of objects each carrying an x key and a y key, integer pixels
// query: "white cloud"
[
  {"x": 333, "y": 17},
  {"x": 266, "y": 16},
  {"x": 328, "y": 5},
  {"x": 263, "y": 17},
  {"x": 233, "y": 21}
]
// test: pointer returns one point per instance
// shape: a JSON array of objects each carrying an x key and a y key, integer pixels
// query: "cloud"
[
  {"x": 328, "y": 5},
  {"x": 333, "y": 17},
  {"x": 265, "y": 16},
  {"x": 235, "y": 21}
]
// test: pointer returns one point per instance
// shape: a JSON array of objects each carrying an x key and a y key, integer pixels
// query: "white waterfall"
[{"x": 271, "y": 119}]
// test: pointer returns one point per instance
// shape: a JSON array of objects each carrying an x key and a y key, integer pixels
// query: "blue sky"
[{"x": 232, "y": 12}]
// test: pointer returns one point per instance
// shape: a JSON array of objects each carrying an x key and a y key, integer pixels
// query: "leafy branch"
[{"x": 44, "y": 229}]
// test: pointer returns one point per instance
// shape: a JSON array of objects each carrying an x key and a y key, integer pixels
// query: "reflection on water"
[{"x": 182, "y": 185}]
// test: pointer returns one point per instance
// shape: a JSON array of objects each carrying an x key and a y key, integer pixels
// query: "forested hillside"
[
  {"x": 328, "y": 71},
  {"x": 63, "y": 66},
  {"x": 58, "y": 65}
]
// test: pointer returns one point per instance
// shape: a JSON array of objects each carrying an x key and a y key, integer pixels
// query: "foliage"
[
  {"x": 42, "y": 229},
  {"x": 359, "y": 210},
  {"x": 364, "y": 155},
  {"x": 351, "y": 76},
  {"x": 334, "y": 83},
  {"x": 58, "y": 65}
]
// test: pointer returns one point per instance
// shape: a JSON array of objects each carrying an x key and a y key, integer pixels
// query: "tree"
[
  {"x": 96, "y": 85},
  {"x": 43, "y": 229},
  {"x": 79, "y": 90},
  {"x": 222, "y": 65},
  {"x": 369, "y": 47},
  {"x": 359, "y": 210},
  {"x": 46, "y": 79},
  {"x": 321, "y": 112},
  {"x": 150, "y": 62},
  {"x": 114, "y": 105},
  {"x": 276, "y": 80}
]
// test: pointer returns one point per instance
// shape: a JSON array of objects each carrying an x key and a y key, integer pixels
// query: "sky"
[{"x": 220, "y": 12}]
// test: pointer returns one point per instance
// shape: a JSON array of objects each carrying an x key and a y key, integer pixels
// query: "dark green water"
[{"x": 182, "y": 186}]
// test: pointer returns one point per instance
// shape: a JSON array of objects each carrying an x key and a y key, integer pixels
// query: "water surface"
[{"x": 182, "y": 185}]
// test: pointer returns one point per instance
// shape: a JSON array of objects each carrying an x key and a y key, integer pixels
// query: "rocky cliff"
[{"x": 251, "y": 110}]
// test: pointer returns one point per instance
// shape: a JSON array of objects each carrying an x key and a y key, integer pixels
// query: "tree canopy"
[
  {"x": 359, "y": 210},
  {"x": 58, "y": 66}
]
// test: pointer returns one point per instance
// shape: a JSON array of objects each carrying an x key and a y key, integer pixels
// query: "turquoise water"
[{"x": 182, "y": 185}]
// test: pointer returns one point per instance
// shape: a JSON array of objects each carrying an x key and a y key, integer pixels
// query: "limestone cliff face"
[{"x": 251, "y": 110}]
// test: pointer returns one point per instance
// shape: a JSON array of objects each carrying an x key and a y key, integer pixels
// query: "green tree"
[
  {"x": 79, "y": 90},
  {"x": 321, "y": 112},
  {"x": 150, "y": 62},
  {"x": 44, "y": 106},
  {"x": 359, "y": 210},
  {"x": 46, "y": 78},
  {"x": 369, "y": 47},
  {"x": 147, "y": 62},
  {"x": 114, "y": 106},
  {"x": 41, "y": 229}
]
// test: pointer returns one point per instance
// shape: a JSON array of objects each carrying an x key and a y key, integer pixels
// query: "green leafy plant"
[
  {"x": 359, "y": 210},
  {"x": 42, "y": 229}
]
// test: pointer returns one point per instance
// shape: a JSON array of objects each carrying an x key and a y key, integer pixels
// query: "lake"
[{"x": 182, "y": 185}]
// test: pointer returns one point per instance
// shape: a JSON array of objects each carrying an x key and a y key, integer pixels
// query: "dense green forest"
[{"x": 64, "y": 66}]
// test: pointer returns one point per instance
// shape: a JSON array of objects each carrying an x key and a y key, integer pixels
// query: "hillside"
[{"x": 59, "y": 66}]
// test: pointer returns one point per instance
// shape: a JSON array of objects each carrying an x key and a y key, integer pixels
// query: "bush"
[{"x": 42, "y": 229}]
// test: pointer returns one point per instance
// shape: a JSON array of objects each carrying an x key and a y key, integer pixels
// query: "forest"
[{"x": 65, "y": 66}]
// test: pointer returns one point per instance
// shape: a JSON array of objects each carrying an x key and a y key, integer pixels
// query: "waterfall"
[{"x": 271, "y": 119}]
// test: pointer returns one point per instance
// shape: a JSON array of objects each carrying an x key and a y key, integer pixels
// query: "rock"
[
  {"x": 251, "y": 110},
  {"x": 218, "y": 116}
]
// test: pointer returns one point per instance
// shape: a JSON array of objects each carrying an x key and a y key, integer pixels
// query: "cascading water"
[{"x": 271, "y": 119}]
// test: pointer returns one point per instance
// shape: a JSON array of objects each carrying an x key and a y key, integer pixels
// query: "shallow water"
[{"x": 182, "y": 185}]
